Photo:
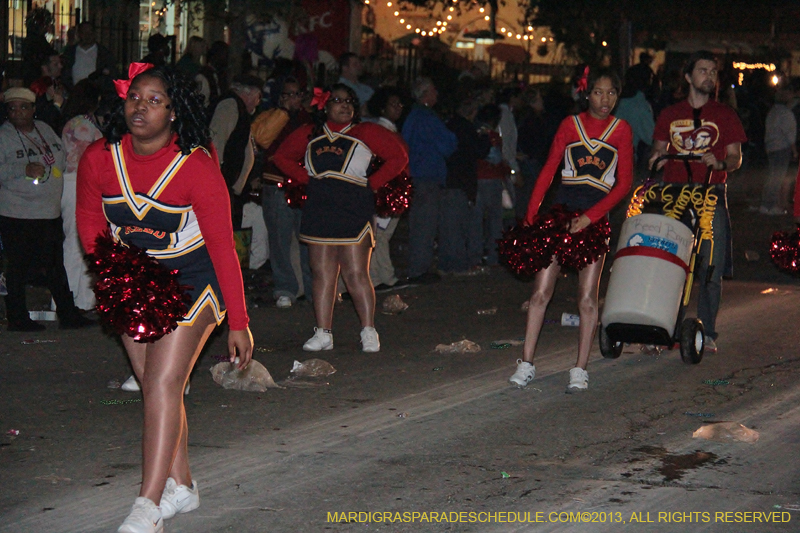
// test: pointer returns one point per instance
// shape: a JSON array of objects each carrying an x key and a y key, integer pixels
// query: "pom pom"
[
  {"x": 393, "y": 199},
  {"x": 785, "y": 251},
  {"x": 294, "y": 192},
  {"x": 578, "y": 250},
  {"x": 529, "y": 249},
  {"x": 136, "y": 295}
]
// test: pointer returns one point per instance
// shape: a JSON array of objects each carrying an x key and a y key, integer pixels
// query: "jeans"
[
  {"x": 283, "y": 226},
  {"x": 778, "y": 180},
  {"x": 711, "y": 292},
  {"x": 31, "y": 245},
  {"x": 454, "y": 231},
  {"x": 486, "y": 222},
  {"x": 423, "y": 226}
]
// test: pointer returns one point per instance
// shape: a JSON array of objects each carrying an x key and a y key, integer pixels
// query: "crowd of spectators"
[{"x": 473, "y": 161}]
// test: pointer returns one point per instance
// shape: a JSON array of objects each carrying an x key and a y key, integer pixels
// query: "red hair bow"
[
  {"x": 583, "y": 81},
  {"x": 320, "y": 97},
  {"x": 134, "y": 70}
]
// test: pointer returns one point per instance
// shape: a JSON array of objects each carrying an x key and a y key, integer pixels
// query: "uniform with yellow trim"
[
  {"x": 598, "y": 166},
  {"x": 175, "y": 207},
  {"x": 341, "y": 199}
]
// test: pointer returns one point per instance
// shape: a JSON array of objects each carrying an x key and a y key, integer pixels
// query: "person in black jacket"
[{"x": 461, "y": 187}]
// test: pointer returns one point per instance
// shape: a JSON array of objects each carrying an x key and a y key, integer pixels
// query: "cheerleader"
[
  {"x": 597, "y": 153},
  {"x": 338, "y": 215}
]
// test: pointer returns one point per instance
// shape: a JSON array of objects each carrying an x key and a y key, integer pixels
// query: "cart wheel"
[
  {"x": 610, "y": 350},
  {"x": 692, "y": 332}
]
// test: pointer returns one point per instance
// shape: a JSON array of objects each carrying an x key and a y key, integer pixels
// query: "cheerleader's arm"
[
  {"x": 290, "y": 155},
  {"x": 545, "y": 178}
]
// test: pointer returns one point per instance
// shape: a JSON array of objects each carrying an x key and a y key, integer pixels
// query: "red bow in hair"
[
  {"x": 134, "y": 70},
  {"x": 320, "y": 97},
  {"x": 583, "y": 81}
]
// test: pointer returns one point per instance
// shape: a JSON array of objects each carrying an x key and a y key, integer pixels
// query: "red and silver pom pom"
[
  {"x": 529, "y": 249},
  {"x": 785, "y": 251},
  {"x": 294, "y": 192},
  {"x": 578, "y": 250},
  {"x": 393, "y": 199},
  {"x": 136, "y": 295}
]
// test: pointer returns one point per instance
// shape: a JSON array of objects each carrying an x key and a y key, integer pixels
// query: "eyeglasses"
[
  {"x": 153, "y": 101},
  {"x": 396, "y": 104},
  {"x": 348, "y": 101},
  {"x": 696, "y": 116},
  {"x": 296, "y": 94}
]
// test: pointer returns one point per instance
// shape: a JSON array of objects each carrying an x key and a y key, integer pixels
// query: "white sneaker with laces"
[
  {"x": 145, "y": 517},
  {"x": 178, "y": 499},
  {"x": 369, "y": 340},
  {"x": 283, "y": 302},
  {"x": 322, "y": 340},
  {"x": 524, "y": 374},
  {"x": 578, "y": 380},
  {"x": 709, "y": 346}
]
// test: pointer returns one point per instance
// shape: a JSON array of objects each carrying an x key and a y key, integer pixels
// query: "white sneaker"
[
  {"x": 524, "y": 374},
  {"x": 709, "y": 346},
  {"x": 369, "y": 340},
  {"x": 178, "y": 499},
  {"x": 283, "y": 302},
  {"x": 132, "y": 385},
  {"x": 578, "y": 380},
  {"x": 322, "y": 340},
  {"x": 145, "y": 517}
]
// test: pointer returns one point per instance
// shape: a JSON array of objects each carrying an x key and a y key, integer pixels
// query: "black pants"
[{"x": 33, "y": 247}]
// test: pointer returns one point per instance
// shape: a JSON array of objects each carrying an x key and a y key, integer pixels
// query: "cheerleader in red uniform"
[
  {"x": 338, "y": 214},
  {"x": 154, "y": 182},
  {"x": 597, "y": 151}
]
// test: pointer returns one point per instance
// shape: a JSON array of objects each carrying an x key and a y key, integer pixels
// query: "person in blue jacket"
[{"x": 430, "y": 143}]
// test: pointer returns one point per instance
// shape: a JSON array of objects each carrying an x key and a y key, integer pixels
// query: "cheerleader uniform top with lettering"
[
  {"x": 341, "y": 201},
  {"x": 173, "y": 206},
  {"x": 598, "y": 166}
]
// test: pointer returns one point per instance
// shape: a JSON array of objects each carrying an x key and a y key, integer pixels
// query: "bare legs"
[
  {"x": 543, "y": 287},
  {"x": 353, "y": 261},
  {"x": 163, "y": 369},
  {"x": 588, "y": 287}
]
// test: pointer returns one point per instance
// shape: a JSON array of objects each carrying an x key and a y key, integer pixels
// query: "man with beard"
[{"x": 704, "y": 127}]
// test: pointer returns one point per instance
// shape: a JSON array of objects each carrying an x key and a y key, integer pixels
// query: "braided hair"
[
  {"x": 187, "y": 104},
  {"x": 320, "y": 116}
]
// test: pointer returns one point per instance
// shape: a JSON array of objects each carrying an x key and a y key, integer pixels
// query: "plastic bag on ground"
[
  {"x": 726, "y": 432},
  {"x": 254, "y": 378},
  {"x": 393, "y": 305},
  {"x": 463, "y": 346},
  {"x": 312, "y": 368}
]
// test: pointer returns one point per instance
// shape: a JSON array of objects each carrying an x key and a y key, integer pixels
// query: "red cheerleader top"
[
  {"x": 198, "y": 183},
  {"x": 379, "y": 140},
  {"x": 597, "y": 156}
]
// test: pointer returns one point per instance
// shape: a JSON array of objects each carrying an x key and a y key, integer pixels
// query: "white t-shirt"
[{"x": 85, "y": 63}]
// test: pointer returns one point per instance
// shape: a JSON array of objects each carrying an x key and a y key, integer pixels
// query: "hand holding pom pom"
[{"x": 136, "y": 295}]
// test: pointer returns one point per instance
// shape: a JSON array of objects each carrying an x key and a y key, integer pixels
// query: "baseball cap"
[{"x": 20, "y": 93}]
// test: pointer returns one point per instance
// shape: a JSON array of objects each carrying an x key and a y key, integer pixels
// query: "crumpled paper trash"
[
  {"x": 726, "y": 432},
  {"x": 393, "y": 305},
  {"x": 463, "y": 346},
  {"x": 312, "y": 368},
  {"x": 254, "y": 378}
]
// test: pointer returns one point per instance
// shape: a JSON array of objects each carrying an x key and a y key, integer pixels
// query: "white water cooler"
[{"x": 648, "y": 274}]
